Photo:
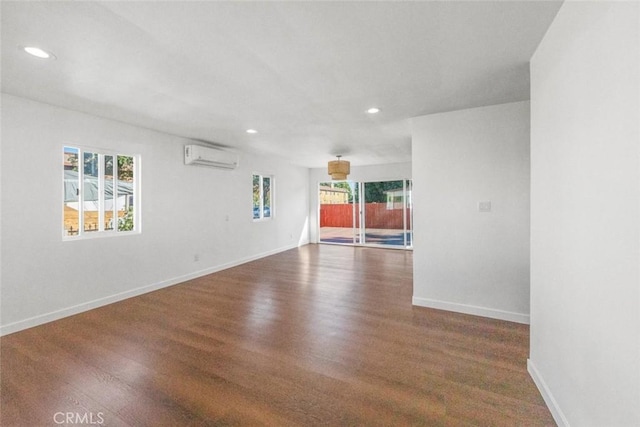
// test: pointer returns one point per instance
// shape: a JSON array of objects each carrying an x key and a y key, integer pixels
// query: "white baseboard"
[
  {"x": 90, "y": 305},
  {"x": 553, "y": 406},
  {"x": 472, "y": 309}
]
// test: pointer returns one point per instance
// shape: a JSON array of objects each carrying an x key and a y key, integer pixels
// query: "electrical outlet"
[{"x": 196, "y": 258}]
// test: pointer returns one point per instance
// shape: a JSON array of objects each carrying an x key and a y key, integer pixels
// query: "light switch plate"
[{"x": 484, "y": 206}]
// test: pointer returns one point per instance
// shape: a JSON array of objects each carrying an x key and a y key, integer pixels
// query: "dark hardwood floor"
[{"x": 320, "y": 335}]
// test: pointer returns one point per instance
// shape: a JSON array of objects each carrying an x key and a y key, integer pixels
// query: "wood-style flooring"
[{"x": 320, "y": 335}]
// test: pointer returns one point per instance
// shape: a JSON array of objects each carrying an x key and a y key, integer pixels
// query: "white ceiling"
[{"x": 301, "y": 73}]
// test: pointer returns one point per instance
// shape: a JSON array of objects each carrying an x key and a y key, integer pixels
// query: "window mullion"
[
  {"x": 116, "y": 176},
  {"x": 135, "y": 195},
  {"x": 80, "y": 192},
  {"x": 101, "y": 188}
]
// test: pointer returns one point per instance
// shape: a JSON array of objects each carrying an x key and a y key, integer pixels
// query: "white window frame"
[
  {"x": 272, "y": 197},
  {"x": 101, "y": 232}
]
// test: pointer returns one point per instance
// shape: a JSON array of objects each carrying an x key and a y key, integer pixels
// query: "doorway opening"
[{"x": 378, "y": 213}]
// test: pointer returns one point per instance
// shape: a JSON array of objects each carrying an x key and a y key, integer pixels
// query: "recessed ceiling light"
[
  {"x": 373, "y": 110},
  {"x": 38, "y": 53},
  {"x": 252, "y": 131}
]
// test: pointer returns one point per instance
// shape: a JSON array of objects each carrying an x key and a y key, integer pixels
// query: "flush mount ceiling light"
[
  {"x": 373, "y": 110},
  {"x": 38, "y": 52},
  {"x": 339, "y": 169},
  {"x": 252, "y": 131}
]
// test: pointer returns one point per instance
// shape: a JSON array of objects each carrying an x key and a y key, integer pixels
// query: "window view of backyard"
[
  {"x": 261, "y": 197},
  {"x": 98, "y": 192},
  {"x": 370, "y": 213}
]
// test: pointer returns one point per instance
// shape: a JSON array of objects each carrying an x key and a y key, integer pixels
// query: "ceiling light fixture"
[
  {"x": 38, "y": 53},
  {"x": 252, "y": 131},
  {"x": 373, "y": 110},
  {"x": 339, "y": 169}
]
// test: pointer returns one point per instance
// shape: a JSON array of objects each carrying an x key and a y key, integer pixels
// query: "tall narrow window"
[
  {"x": 262, "y": 197},
  {"x": 126, "y": 210},
  {"x": 91, "y": 192},
  {"x": 108, "y": 189},
  {"x": 100, "y": 193}
]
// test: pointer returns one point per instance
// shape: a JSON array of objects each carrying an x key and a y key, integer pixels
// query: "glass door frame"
[
  {"x": 358, "y": 213},
  {"x": 407, "y": 206},
  {"x": 355, "y": 214}
]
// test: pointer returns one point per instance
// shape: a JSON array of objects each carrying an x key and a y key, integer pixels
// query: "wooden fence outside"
[
  {"x": 376, "y": 216},
  {"x": 90, "y": 220}
]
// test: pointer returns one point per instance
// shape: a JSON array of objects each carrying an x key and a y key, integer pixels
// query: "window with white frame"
[
  {"x": 262, "y": 196},
  {"x": 100, "y": 195}
]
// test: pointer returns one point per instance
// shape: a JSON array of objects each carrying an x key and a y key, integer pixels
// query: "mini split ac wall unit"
[{"x": 199, "y": 155}]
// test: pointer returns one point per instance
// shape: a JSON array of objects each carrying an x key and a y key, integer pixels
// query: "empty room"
[{"x": 320, "y": 213}]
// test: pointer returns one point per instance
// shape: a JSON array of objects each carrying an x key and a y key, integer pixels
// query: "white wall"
[
  {"x": 465, "y": 260},
  {"x": 585, "y": 219},
  {"x": 184, "y": 213},
  {"x": 372, "y": 173}
]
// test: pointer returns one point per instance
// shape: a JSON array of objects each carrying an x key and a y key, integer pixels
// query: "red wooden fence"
[
  {"x": 337, "y": 215},
  {"x": 376, "y": 216}
]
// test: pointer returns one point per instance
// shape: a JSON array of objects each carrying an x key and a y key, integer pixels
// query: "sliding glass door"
[
  {"x": 408, "y": 214},
  {"x": 339, "y": 212},
  {"x": 367, "y": 213},
  {"x": 384, "y": 213}
]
